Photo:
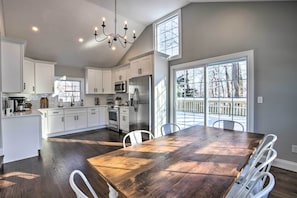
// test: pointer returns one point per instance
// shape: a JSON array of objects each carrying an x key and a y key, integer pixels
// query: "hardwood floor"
[{"x": 47, "y": 175}]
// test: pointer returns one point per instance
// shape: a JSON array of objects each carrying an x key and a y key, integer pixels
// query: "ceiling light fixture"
[
  {"x": 80, "y": 40},
  {"x": 35, "y": 29},
  {"x": 113, "y": 37}
]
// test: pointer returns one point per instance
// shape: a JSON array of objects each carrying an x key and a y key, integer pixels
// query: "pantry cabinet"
[
  {"x": 98, "y": 81},
  {"x": 12, "y": 57}
]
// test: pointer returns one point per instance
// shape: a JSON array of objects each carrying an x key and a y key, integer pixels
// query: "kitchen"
[{"x": 257, "y": 36}]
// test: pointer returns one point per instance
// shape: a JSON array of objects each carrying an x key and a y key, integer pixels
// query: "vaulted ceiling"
[{"x": 62, "y": 22}]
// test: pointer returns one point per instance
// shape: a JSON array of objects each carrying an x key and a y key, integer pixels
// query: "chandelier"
[{"x": 114, "y": 37}]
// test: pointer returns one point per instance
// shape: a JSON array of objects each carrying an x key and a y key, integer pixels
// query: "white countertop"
[
  {"x": 33, "y": 112},
  {"x": 73, "y": 107}
]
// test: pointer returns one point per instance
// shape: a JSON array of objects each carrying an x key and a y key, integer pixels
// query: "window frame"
[
  {"x": 163, "y": 19},
  {"x": 202, "y": 63},
  {"x": 81, "y": 80}
]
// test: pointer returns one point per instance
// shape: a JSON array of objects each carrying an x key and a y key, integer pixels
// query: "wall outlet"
[{"x": 294, "y": 148}]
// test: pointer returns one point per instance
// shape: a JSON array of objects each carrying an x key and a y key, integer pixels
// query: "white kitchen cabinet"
[
  {"x": 12, "y": 57},
  {"x": 141, "y": 66},
  {"x": 103, "y": 115},
  {"x": 120, "y": 73},
  {"x": 29, "y": 77},
  {"x": 93, "y": 117},
  {"x": 93, "y": 81},
  {"x": 107, "y": 83},
  {"x": 44, "y": 77},
  {"x": 55, "y": 120},
  {"x": 21, "y": 140},
  {"x": 75, "y": 118},
  {"x": 124, "y": 119},
  {"x": 98, "y": 81}
]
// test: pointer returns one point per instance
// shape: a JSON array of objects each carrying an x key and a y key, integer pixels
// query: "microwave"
[{"x": 120, "y": 87}]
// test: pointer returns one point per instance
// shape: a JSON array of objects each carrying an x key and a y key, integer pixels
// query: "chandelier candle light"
[{"x": 113, "y": 37}]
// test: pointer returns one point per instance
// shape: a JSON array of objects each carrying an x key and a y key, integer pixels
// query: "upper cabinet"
[
  {"x": 44, "y": 77},
  {"x": 38, "y": 76},
  {"x": 28, "y": 76},
  {"x": 12, "y": 57},
  {"x": 120, "y": 73},
  {"x": 98, "y": 81},
  {"x": 141, "y": 66}
]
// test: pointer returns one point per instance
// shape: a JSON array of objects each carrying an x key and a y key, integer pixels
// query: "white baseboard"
[{"x": 285, "y": 164}]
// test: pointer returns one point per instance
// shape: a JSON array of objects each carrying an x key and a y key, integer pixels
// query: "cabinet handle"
[
  {"x": 120, "y": 77},
  {"x": 55, "y": 112},
  {"x": 24, "y": 86},
  {"x": 62, "y": 119},
  {"x": 45, "y": 115},
  {"x": 33, "y": 88},
  {"x": 139, "y": 71},
  {"x": 76, "y": 117},
  {"x": 124, "y": 118},
  {"x": 53, "y": 89},
  {"x": 93, "y": 113}
]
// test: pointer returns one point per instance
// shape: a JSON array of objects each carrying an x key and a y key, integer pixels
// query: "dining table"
[{"x": 198, "y": 161}]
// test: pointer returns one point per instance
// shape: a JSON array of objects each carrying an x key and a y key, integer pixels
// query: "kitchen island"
[{"x": 21, "y": 135}]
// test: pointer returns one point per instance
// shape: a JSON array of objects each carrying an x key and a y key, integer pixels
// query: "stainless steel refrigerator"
[{"x": 140, "y": 96}]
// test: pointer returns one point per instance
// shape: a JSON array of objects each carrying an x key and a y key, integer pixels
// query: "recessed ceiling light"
[
  {"x": 80, "y": 40},
  {"x": 113, "y": 48},
  {"x": 35, "y": 29}
]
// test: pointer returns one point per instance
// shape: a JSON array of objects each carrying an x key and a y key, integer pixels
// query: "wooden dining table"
[{"x": 194, "y": 162}]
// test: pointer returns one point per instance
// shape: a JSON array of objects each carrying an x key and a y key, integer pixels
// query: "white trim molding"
[{"x": 285, "y": 164}]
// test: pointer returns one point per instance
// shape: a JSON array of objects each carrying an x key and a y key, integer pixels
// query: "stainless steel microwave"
[{"x": 120, "y": 87}]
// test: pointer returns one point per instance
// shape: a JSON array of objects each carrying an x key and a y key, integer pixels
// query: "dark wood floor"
[{"x": 47, "y": 175}]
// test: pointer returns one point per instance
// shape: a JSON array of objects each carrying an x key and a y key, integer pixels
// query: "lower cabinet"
[
  {"x": 70, "y": 120},
  {"x": 75, "y": 119},
  {"x": 55, "y": 121}
]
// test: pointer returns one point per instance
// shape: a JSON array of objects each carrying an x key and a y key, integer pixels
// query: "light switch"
[{"x": 260, "y": 99}]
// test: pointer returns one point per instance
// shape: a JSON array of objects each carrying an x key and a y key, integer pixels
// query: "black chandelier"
[{"x": 113, "y": 37}]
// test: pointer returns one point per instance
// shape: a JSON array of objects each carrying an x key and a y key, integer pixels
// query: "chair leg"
[{"x": 112, "y": 192}]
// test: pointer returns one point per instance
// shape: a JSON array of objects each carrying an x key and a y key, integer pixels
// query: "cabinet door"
[
  {"x": 93, "y": 117},
  {"x": 70, "y": 122},
  {"x": 44, "y": 77},
  {"x": 107, "y": 85},
  {"x": 93, "y": 81},
  {"x": 146, "y": 65},
  {"x": 55, "y": 123},
  {"x": 12, "y": 56},
  {"x": 81, "y": 120},
  {"x": 29, "y": 77}
]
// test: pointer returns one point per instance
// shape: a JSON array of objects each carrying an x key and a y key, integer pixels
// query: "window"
[
  {"x": 168, "y": 34},
  {"x": 68, "y": 90},
  {"x": 217, "y": 88}
]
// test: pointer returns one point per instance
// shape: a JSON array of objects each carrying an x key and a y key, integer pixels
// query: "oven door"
[{"x": 113, "y": 117}]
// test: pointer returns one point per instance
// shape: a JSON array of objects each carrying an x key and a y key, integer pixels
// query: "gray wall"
[
  {"x": 214, "y": 29},
  {"x": 69, "y": 71},
  {"x": 2, "y": 31}
]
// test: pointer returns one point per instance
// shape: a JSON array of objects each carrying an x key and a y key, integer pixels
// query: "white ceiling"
[{"x": 62, "y": 22}]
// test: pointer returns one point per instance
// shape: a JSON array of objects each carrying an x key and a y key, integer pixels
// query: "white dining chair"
[
  {"x": 255, "y": 169},
  {"x": 267, "y": 142},
  {"x": 78, "y": 192},
  {"x": 136, "y": 137},
  {"x": 250, "y": 189},
  {"x": 169, "y": 128},
  {"x": 228, "y": 125}
]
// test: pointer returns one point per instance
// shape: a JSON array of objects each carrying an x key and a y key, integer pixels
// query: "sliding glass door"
[{"x": 214, "y": 89}]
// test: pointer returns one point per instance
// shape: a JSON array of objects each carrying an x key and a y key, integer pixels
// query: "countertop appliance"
[
  {"x": 17, "y": 104},
  {"x": 120, "y": 87},
  {"x": 140, "y": 95}
]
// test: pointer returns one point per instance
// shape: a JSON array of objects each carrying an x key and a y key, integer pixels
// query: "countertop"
[{"x": 33, "y": 112}]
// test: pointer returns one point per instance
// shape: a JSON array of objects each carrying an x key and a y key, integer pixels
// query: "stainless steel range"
[{"x": 114, "y": 118}]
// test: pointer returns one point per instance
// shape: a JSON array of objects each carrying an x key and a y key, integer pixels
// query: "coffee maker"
[{"x": 17, "y": 104}]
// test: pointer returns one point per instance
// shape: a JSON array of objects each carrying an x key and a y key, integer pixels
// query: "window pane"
[{"x": 68, "y": 90}]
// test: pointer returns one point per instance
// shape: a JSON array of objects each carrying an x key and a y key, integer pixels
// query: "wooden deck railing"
[{"x": 215, "y": 106}]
